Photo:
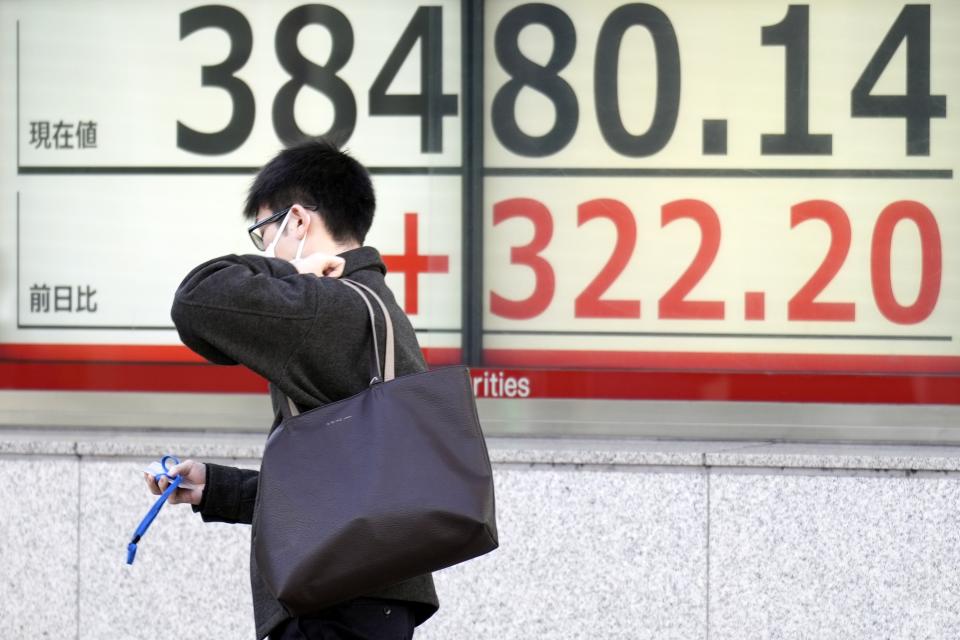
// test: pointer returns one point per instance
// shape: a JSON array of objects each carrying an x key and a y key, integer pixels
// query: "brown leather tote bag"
[{"x": 374, "y": 489}]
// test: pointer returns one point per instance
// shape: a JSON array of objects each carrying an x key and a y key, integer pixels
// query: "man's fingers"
[
  {"x": 185, "y": 496},
  {"x": 191, "y": 470},
  {"x": 152, "y": 484},
  {"x": 320, "y": 264},
  {"x": 158, "y": 485},
  {"x": 182, "y": 469},
  {"x": 334, "y": 268},
  {"x": 185, "y": 469}
]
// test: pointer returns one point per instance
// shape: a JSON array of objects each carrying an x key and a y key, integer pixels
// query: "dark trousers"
[{"x": 357, "y": 619}]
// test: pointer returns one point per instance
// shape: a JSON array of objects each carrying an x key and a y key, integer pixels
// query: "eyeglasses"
[{"x": 256, "y": 230}]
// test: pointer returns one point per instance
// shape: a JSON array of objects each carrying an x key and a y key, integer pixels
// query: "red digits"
[
  {"x": 529, "y": 255},
  {"x": 803, "y": 305},
  {"x": 674, "y": 304},
  {"x": 931, "y": 262},
  {"x": 589, "y": 304}
]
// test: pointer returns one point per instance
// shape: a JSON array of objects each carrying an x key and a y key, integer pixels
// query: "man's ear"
[{"x": 301, "y": 221}]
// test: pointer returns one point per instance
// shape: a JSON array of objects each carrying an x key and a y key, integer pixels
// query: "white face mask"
[{"x": 271, "y": 250}]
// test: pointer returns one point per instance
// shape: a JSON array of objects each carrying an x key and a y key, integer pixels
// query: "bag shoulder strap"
[
  {"x": 388, "y": 372},
  {"x": 388, "y": 357},
  {"x": 377, "y": 371}
]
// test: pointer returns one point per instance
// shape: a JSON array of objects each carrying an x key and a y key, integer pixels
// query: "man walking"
[{"x": 286, "y": 317}]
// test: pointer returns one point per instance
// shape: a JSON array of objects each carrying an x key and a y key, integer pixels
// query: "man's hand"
[
  {"x": 320, "y": 264},
  {"x": 193, "y": 472}
]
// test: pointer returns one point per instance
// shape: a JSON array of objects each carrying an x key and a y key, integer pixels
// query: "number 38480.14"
[{"x": 675, "y": 303}]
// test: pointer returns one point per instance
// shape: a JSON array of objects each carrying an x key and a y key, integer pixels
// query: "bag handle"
[
  {"x": 388, "y": 366},
  {"x": 388, "y": 358},
  {"x": 376, "y": 372}
]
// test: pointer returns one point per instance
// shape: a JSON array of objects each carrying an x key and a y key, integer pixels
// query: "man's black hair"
[{"x": 315, "y": 172}]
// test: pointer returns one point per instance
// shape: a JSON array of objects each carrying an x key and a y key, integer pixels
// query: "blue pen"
[{"x": 155, "y": 509}]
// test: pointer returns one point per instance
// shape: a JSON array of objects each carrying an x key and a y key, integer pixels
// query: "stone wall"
[{"x": 599, "y": 539}]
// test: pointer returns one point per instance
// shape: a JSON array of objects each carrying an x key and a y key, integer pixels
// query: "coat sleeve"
[
  {"x": 248, "y": 309},
  {"x": 229, "y": 495}
]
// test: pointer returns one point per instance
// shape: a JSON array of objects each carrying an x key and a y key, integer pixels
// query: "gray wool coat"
[{"x": 310, "y": 338}]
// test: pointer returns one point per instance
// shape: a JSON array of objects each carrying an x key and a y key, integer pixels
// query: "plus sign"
[{"x": 412, "y": 264}]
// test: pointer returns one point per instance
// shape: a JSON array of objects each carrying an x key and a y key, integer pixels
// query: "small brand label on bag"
[{"x": 343, "y": 419}]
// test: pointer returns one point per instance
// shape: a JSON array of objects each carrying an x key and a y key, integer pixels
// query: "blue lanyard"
[{"x": 155, "y": 509}]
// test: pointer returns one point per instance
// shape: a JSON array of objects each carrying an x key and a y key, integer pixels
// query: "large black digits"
[
  {"x": 793, "y": 32},
  {"x": 606, "y": 88},
  {"x": 526, "y": 73},
  {"x": 917, "y": 106},
  {"x": 241, "y": 44},
  {"x": 431, "y": 104},
  {"x": 322, "y": 78}
]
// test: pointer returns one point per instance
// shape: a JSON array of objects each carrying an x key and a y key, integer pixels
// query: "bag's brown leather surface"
[{"x": 374, "y": 489}]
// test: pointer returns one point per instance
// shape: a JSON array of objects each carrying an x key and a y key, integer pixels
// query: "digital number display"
[
  {"x": 698, "y": 186},
  {"x": 139, "y": 134},
  {"x": 689, "y": 185}
]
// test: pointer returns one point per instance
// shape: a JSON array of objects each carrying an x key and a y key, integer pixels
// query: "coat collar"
[{"x": 362, "y": 258}]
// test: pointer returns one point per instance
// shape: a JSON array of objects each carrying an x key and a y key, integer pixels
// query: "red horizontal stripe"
[
  {"x": 442, "y": 356},
  {"x": 613, "y": 385},
  {"x": 98, "y": 353},
  {"x": 75, "y": 353},
  {"x": 537, "y": 358},
  {"x": 131, "y": 376},
  {"x": 128, "y": 372},
  {"x": 787, "y": 377}
]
